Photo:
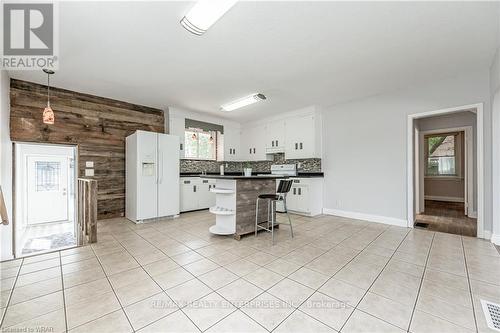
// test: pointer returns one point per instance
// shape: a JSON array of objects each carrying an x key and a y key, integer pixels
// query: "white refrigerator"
[{"x": 152, "y": 176}]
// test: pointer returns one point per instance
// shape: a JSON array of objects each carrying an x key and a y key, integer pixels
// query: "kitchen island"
[{"x": 236, "y": 200}]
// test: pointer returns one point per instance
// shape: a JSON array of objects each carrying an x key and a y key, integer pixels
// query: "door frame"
[
  {"x": 478, "y": 110},
  {"x": 15, "y": 203},
  {"x": 468, "y": 172}
]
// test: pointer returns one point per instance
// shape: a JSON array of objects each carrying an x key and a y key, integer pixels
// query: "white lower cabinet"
[
  {"x": 195, "y": 193},
  {"x": 305, "y": 196}
]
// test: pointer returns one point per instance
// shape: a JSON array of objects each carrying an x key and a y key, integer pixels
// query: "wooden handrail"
[
  {"x": 87, "y": 211},
  {"x": 3, "y": 209}
]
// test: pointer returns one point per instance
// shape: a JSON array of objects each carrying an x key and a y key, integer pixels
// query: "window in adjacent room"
[
  {"x": 200, "y": 144},
  {"x": 442, "y": 155}
]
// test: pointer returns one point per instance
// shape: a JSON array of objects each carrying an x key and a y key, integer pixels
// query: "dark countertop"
[
  {"x": 253, "y": 177},
  {"x": 304, "y": 174}
]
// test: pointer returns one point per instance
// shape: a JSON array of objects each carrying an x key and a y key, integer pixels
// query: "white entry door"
[{"x": 47, "y": 189}]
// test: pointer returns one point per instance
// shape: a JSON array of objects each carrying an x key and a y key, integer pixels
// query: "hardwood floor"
[{"x": 447, "y": 217}]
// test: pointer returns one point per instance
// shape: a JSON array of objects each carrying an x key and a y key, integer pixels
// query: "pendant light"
[{"x": 48, "y": 114}]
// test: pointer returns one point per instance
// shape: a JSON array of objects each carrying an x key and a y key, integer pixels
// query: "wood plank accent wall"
[{"x": 97, "y": 125}]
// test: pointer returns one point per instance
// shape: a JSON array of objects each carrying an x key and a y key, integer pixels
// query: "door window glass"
[{"x": 47, "y": 176}]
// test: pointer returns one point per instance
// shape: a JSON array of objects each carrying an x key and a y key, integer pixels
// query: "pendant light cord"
[{"x": 48, "y": 90}]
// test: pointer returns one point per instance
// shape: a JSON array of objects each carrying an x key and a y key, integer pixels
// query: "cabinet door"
[
  {"x": 211, "y": 200},
  {"x": 292, "y": 199},
  {"x": 177, "y": 127},
  {"x": 307, "y": 143},
  {"x": 275, "y": 134},
  {"x": 246, "y": 142},
  {"x": 300, "y": 137},
  {"x": 292, "y": 138},
  {"x": 259, "y": 143},
  {"x": 231, "y": 144},
  {"x": 205, "y": 197},
  {"x": 189, "y": 198},
  {"x": 303, "y": 199}
]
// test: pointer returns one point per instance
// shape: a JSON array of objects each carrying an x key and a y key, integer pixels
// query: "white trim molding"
[
  {"x": 410, "y": 206},
  {"x": 473, "y": 215},
  {"x": 366, "y": 217},
  {"x": 495, "y": 239},
  {"x": 441, "y": 198}
]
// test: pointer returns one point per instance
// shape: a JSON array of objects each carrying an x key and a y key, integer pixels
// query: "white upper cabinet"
[
  {"x": 303, "y": 137},
  {"x": 275, "y": 136},
  {"x": 253, "y": 143},
  {"x": 232, "y": 148},
  {"x": 298, "y": 135},
  {"x": 177, "y": 127}
]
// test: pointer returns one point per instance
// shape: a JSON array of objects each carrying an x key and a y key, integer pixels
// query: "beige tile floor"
[{"x": 173, "y": 276}]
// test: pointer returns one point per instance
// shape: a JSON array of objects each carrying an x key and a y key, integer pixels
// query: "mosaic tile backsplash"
[{"x": 195, "y": 166}]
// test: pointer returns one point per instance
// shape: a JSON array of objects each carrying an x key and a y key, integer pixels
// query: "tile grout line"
[
  {"x": 238, "y": 308},
  {"x": 240, "y": 277},
  {"x": 63, "y": 294},
  {"x": 317, "y": 290},
  {"x": 162, "y": 290},
  {"x": 10, "y": 294},
  {"x": 469, "y": 284},
  {"x": 421, "y": 281},
  {"x": 114, "y": 292},
  {"x": 373, "y": 282}
]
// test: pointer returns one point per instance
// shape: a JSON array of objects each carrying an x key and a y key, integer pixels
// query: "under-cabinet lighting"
[
  {"x": 254, "y": 98},
  {"x": 204, "y": 14}
]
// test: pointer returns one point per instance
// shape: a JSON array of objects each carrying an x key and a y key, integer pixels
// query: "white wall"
[
  {"x": 365, "y": 159},
  {"x": 495, "y": 101},
  {"x": 5, "y": 164}
]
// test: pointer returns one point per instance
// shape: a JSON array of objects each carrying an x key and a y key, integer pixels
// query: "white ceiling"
[{"x": 296, "y": 53}]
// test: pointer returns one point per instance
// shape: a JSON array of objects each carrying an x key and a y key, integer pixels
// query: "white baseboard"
[
  {"x": 442, "y": 198},
  {"x": 366, "y": 217},
  {"x": 495, "y": 239}
]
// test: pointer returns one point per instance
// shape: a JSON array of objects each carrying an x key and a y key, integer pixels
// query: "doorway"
[
  {"x": 445, "y": 176},
  {"x": 45, "y": 181},
  {"x": 445, "y": 179}
]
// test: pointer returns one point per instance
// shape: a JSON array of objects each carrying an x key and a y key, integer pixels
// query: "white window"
[
  {"x": 442, "y": 155},
  {"x": 200, "y": 145}
]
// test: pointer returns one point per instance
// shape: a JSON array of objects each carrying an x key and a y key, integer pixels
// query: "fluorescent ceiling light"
[
  {"x": 243, "y": 102},
  {"x": 204, "y": 14}
]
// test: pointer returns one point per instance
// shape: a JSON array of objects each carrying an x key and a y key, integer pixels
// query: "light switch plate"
[
  {"x": 89, "y": 172},
  {"x": 89, "y": 164}
]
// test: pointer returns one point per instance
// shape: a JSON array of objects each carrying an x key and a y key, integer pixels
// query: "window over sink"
[{"x": 200, "y": 144}]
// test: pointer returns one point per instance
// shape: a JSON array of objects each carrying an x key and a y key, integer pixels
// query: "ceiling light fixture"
[
  {"x": 48, "y": 113},
  {"x": 204, "y": 14},
  {"x": 254, "y": 98}
]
